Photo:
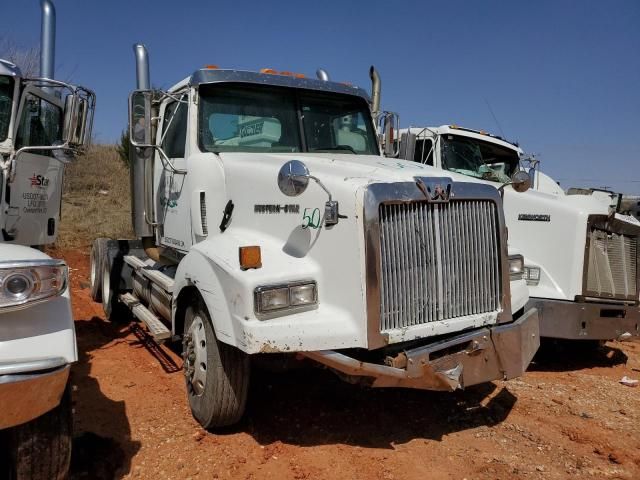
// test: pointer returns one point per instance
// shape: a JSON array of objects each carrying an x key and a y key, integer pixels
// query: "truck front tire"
[
  {"x": 41, "y": 449},
  {"x": 217, "y": 374}
]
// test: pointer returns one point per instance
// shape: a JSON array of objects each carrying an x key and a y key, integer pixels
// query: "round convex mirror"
[
  {"x": 521, "y": 181},
  {"x": 293, "y": 178}
]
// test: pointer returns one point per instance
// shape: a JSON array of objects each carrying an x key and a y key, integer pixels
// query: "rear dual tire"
[
  {"x": 114, "y": 309},
  {"x": 97, "y": 258}
]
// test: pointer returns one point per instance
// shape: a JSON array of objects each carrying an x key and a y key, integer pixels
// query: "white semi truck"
[
  {"x": 268, "y": 221},
  {"x": 581, "y": 254},
  {"x": 42, "y": 123}
]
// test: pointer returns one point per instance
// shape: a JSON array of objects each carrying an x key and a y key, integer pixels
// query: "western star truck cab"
[
  {"x": 268, "y": 222},
  {"x": 581, "y": 255},
  {"x": 42, "y": 123}
]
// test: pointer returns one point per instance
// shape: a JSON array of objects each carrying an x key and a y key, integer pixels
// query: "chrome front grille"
[
  {"x": 612, "y": 267},
  {"x": 438, "y": 261}
]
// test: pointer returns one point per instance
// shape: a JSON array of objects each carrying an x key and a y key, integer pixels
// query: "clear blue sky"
[{"x": 562, "y": 77}]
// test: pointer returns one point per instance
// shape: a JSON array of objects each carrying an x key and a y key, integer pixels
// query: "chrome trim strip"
[
  {"x": 45, "y": 262},
  {"x": 27, "y": 366},
  {"x": 409, "y": 192}
]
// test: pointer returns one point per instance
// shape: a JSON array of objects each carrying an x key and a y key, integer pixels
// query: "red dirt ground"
[{"x": 567, "y": 417}]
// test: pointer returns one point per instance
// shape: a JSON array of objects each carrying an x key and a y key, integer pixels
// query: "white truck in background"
[
  {"x": 581, "y": 254},
  {"x": 268, "y": 222},
  {"x": 42, "y": 123}
]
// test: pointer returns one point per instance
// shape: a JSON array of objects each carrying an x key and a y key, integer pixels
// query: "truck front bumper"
[
  {"x": 29, "y": 389},
  {"x": 586, "y": 321},
  {"x": 479, "y": 356}
]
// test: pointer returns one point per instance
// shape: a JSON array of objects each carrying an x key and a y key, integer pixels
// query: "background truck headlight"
[
  {"x": 283, "y": 299},
  {"x": 532, "y": 275},
  {"x": 22, "y": 283},
  {"x": 516, "y": 267}
]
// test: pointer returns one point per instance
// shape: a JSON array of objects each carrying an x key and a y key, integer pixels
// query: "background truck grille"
[
  {"x": 611, "y": 271},
  {"x": 439, "y": 261}
]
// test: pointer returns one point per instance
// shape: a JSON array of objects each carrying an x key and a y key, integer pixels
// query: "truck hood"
[
  {"x": 354, "y": 169},
  {"x": 16, "y": 253}
]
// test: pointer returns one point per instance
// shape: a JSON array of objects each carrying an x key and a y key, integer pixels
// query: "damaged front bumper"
[
  {"x": 479, "y": 356},
  {"x": 586, "y": 320}
]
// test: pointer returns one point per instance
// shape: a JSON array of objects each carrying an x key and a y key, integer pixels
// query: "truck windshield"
[
  {"x": 253, "y": 118},
  {"x": 6, "y": 95},
  {"x": 478, "y": 158}
]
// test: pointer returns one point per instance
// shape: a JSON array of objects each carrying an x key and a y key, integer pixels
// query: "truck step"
[
  {"x": 158, "y": 330},
  {"x": 156, "y": 276}
]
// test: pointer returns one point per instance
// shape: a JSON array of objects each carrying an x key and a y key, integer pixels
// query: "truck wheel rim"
[
  {"x": 106, "y": 284},
  {"x": 93, "y": 274},
  {"x": 196, "y": 356}
]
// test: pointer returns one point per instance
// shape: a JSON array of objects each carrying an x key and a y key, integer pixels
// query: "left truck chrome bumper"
[
  {"x": 481, "y": 355},
  {"x": 29, "y": 389}
]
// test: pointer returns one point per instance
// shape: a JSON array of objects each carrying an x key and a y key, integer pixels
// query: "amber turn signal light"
[{"x": 250, "y": 257}]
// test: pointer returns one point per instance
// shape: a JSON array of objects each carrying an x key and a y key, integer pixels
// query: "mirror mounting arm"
[{"x": 315, "y": 179}]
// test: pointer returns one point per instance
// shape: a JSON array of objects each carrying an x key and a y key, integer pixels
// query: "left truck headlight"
[
  {"x": 283, "y": 299},
  {"x": 516, "y": 267},
  {"x": 22, "y": 283}
]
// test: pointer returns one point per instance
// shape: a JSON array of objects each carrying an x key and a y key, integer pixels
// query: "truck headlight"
[
  {"x": 285, "y": 298},
  {"x": 532, "y": 275},
  {"x": 22, "y": 283},
  {"x": 516, "y": 267}
]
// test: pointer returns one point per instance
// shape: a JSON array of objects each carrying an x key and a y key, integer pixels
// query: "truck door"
[
  {"x": 35, "y": 192},
  {"x": 172, "y": 199}
]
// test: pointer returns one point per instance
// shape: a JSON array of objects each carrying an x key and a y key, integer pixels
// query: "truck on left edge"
[{"x": 43, "y": 124}]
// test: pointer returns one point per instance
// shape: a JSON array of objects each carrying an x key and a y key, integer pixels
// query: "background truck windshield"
[
  {"x": 252, "y": 118},
  {"x": 6, "y": 94},
  {"x": 478, "y": 158}
]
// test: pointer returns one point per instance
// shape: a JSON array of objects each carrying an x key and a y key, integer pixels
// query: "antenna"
[{"x": 494, "y": 117}]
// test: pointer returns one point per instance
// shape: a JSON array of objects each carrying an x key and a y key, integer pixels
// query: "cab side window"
[
  {"x": 424, "y": 152},
  {"x": 174, "y": 128},
  {"x": 40, "y": 124}
]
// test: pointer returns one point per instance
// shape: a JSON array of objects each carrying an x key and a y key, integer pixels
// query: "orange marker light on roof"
[
  {"x": 211, "y": 67},
  {"x": 292, "y": 74},
  {"x": 250, "y": 257},
  {"x": 268, "y": 71}
]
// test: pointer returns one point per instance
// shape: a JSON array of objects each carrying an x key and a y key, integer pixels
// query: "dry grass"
[{"x": 96, "y": 199}]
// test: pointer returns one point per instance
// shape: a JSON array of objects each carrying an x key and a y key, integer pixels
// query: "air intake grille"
[
  {"x": 439, "y": 261},
  {"x": 203, "y": 214},
  {"x": 611, "y": 271}
]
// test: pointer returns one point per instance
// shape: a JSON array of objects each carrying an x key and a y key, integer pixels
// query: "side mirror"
[
  {"x": 407, "y": 146},
  {"x": 532, "y": 174},
  {"x": 78, "y": 113},
  {"x": 293, "y": 178},
  {"x": 520, "y": 181},
  {"x": 140, "y": 132},
  {"x": 389, "y": 123}
]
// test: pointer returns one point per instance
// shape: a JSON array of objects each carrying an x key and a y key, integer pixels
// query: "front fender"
[{"x": 212, "y": 267}]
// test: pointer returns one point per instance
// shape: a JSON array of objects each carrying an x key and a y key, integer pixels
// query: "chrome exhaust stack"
[
  {"x": 142, "y": 67},
  {"x": 140, "y": 159},
  {"x": 47, "y": 40},
  {"x": 375, "y": 93}
]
